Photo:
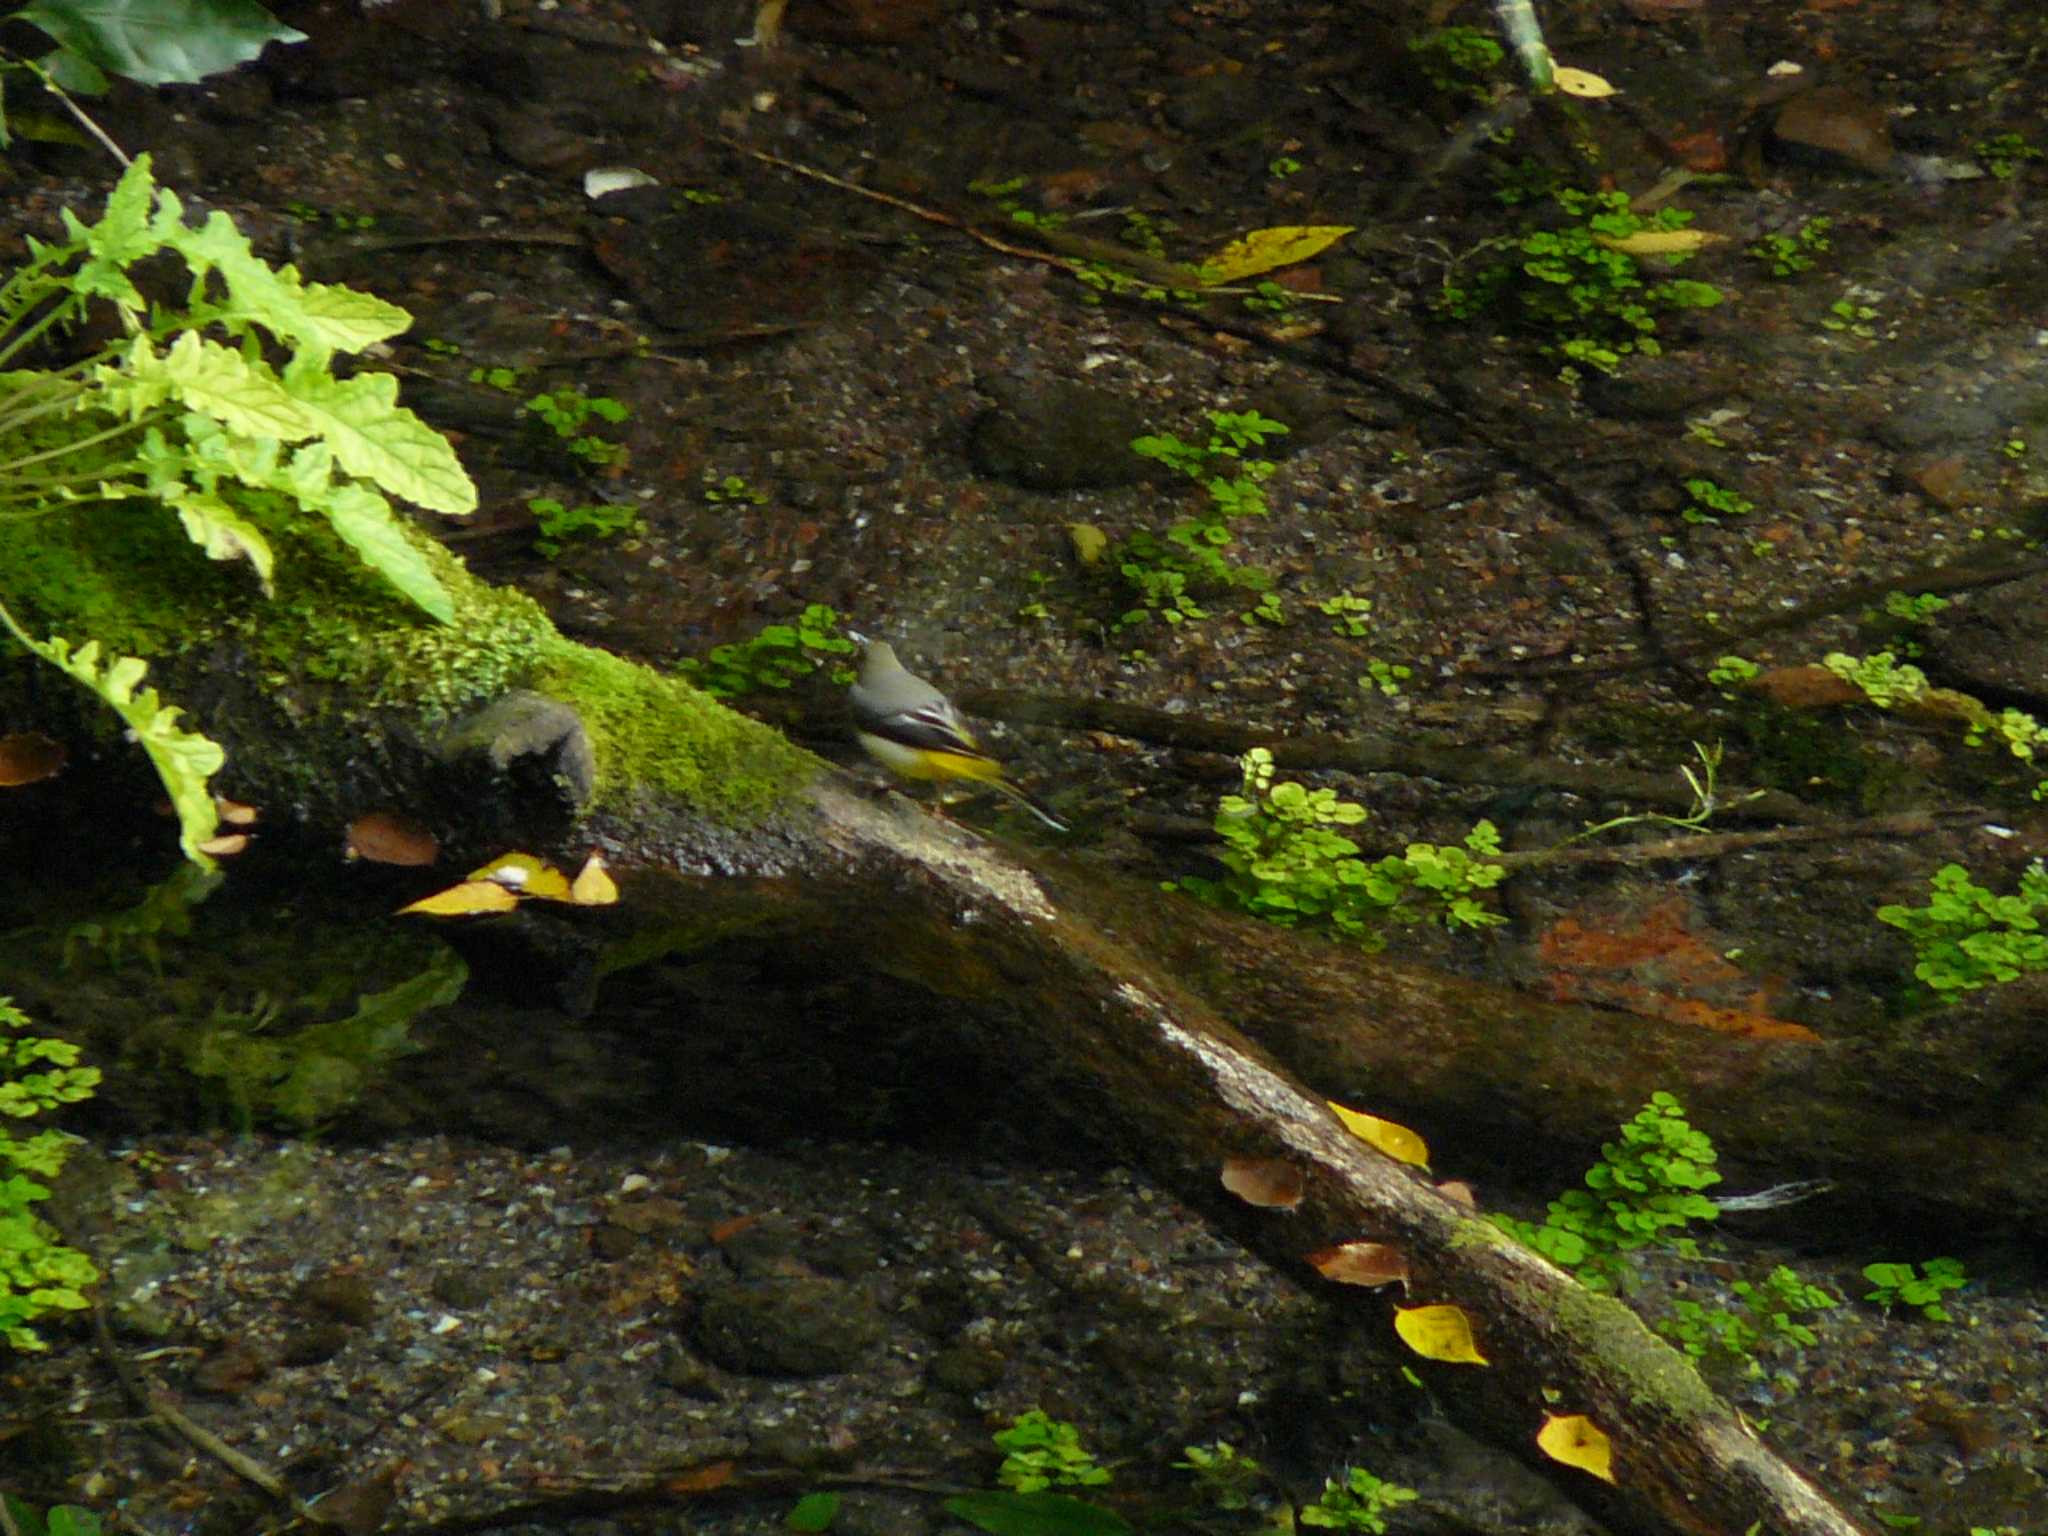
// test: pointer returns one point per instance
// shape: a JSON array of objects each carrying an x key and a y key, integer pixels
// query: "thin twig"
[
  {"x": 240, "y": 1463},
  {"x": 84, "y": 120},
  {"x": 1713, "y": 845},
  {"x": 1148, "y": 271}
]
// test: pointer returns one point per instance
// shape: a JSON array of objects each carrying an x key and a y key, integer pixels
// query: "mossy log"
[{"x": 1132, "y": 1022}]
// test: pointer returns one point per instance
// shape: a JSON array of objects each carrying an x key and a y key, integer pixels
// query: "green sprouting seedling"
[
  {"x": 1914, "y": 608},
  {"x": 1038, "y": 581},
  {"x": 1789, "y": 255},
  {"x": 1043, "y": 1452},
  {"x": 1776, "y": 1302},
  {"x": 1710, "y": 498},
  {"x": 1223, "y": 1477},
  {"x": 1771, "y": 1312},
  {"x": 2014, "y": 448},
  {"x": 1570, "y": 285},
  {"x": 1889, "y": 683},
  {"x": 1527, "y": 180},
  {"x": 1386, "y": 676},
  {"x": 1004, "y": 195},
  {"x": 1143, "y": 232},
  {"x": 1457, "y": 60},
  {"x": 1361, "y": 1502},
  {"x": 1169, "y": 576},
  {"x": 778, "y": 656},
  {"x": 559, "y": 524},
  {"x": 1270, "y": 298},
  {"x": 1967, "y": 938},
  {"x": 1266, "y": 610},
  {"x": 735, "y": 488},
  {"x": 568, "y": 411},
  {"x": 1733, "y": 672},
  {"x": 1285, "y": 861},
  {"x": 1704, "y": 784},
  {"x": 1922, "y": 1286},
  {"x": 307, "y": 213},
  {"x": 38, "y": 1274},
  {"x": 1280, "y": 167},
  {"x": 507, "y": 379},
  {"x": 1851, "y": 316},
  {"x": 1883, "y": 679},
  {"x": 2004, "y": 153},
  {"x": 441, "y": 346},
  {"x": 1903, "y": 614},
  {"x": 1351, "y": 616},
  {"x": 1646, "y": 1189}
]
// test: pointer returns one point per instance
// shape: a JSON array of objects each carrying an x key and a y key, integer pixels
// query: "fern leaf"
[
  {"x": 376, "y": 438},
  {"x": 365, "y": 520},
  {"x": 184, "y": 760}
]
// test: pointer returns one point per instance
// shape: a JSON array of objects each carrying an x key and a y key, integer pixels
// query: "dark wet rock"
[
  {"x": 313, "y": 1344},
  {"x": 1994, "y": 648},
  {"x": 966, "y": 1368},
  {"x": 463, "y": 1289},
  {"x": 1058, "y": 435},
  {"x": 719, "y": 271},
  {"x": 788, "y": 1327},
  {"x": 871, "y": 22},
  {"x": 1215, "y": 103},
  {"x": 1662, "y": 388},
  {"x": 230, "y": 1369},
  {"x": 347, "y": 1298},
  {"x": 1833, "y": 127},
  {"x": 689, "y": 1374}
]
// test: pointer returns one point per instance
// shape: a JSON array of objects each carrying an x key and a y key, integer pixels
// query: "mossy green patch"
[
  {"x": 336, "y": 644},
  {"x": 1601, "y": 1328},
  {"x": 654, "y": 733}
]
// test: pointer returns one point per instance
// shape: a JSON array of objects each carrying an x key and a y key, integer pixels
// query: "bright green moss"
[
  {"x": 1601, "y": 1328},
  {"x": 655, "y": 733},
  {"x": 336, "y": 643}
]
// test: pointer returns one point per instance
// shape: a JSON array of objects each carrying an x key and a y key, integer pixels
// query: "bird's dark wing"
[{"x": 934, "y": 728}]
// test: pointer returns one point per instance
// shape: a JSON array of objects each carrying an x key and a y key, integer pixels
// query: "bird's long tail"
[{"x": 1031, "y": 804}]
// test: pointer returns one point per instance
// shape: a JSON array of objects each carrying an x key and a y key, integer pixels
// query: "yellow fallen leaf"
[
  {"x": 1397, "y": 1141},
  {"x": 1362, "y": 1264},
  {"x": 1438, "y": 1333},
  {"x": 593, "y": 885},
  {"x": 525, "y": 874},
  {"x": 1268, "y": 250},
  {"x": 1089, "y": 542},
  {"x": 1265, "y": 1181},
  {"x": 464, "y": 900},
  {"x": 1582, "y": 82},
  {"x": 1660, "y": 242},
  {"x": 1577, "y": 1441}
]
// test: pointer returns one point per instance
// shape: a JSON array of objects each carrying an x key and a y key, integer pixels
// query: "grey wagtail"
[{"x": 913, "y": 730}]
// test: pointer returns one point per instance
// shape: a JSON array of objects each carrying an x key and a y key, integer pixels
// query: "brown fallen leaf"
[
  {"x": 29, "y": 756},
  {"x": 1366, "y": 1264},
  {"x": 388, "y": 837},
  {"x": 1271, "y": 1182}
]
